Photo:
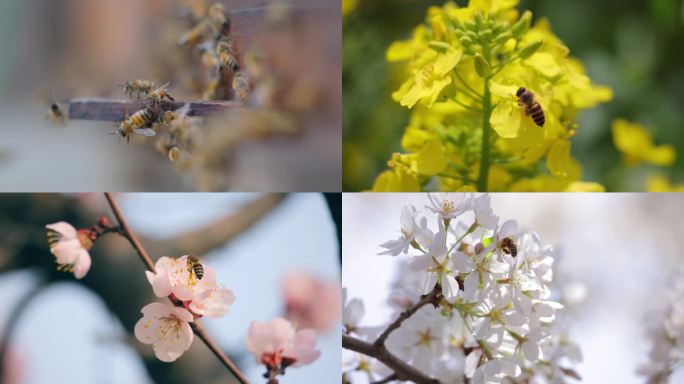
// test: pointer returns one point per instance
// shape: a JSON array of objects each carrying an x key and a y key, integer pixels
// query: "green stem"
[{"x": 486, "y": 128}]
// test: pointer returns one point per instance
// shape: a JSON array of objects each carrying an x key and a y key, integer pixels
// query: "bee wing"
[
  {"x": 149, "y": 132},
  {"x": 182, "y": 112},
  {"x": 163, "y": 86}
]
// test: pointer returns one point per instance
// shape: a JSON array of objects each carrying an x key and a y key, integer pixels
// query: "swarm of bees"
[{"x": 210, "y": 38}]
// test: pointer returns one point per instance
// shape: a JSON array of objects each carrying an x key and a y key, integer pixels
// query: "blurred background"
[
  {"x": 615, "y": 253},
  {"x": 63, "y": 49},
  {"x": 55, "y": 329},
  {"x": 631, "y": 46}
]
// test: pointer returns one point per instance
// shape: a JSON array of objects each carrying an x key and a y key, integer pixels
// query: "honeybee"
[
  {"x": 57, "y": 114},
  {"x": 158, "y": 95},
  {"x": 212, "y": 87},
  {"x": 241, "y": 86},
  {"x": 177, "y": 117},
  {"x": 532, "y": 108},
  {"x": 138, "y": 87},
  {"x": 220, "y": 23},
  {"x": 195, "y": 267},
  {"x": 508, "y": 246},
  {"x": 135, "y": 124},
  {"x": 208, "y": 54},
  {"x": 195, "y": 35},
  {"x": 226, "y": 54}
]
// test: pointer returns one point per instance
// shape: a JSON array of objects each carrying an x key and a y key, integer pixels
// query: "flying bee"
[
  {"x": 508, "y": 246},
  {"x": 219, "y": 22},
  {"x": 212, "y": 88},
  {"x": 135, "y": 124},
  {"x": 532, "y": 108},
  {"x": 138, "y": 87},
  {"x": 241, "y": 86},
  {"x": 226, "y": 54},
  {"x": 195, "y": 35},
  {"x": 195, "y": 267},
  {"x": 158, "y": 95},
  {"x": 57, "y": 114}
]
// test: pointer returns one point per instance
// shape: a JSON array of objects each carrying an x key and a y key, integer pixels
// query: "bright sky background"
[
  {"x": 620, "y": 246},
  {"x": 85, "y": 346}
]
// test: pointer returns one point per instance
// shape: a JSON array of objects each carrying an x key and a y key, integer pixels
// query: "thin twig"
[
  {"x": 402, "y": 370},
  {"x": 116, "y": 110},
  {"x": 196, "y": 325},
  {"x": 430, "y": 298}
]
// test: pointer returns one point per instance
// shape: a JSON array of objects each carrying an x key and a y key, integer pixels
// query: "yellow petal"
[
  {"x": 396, "y": 181},
  {"x": 560, "y": 162},
  {"x": 583, "y": 186},
  {"x": 431, "y": 160},
  {"x": 544, "y": 63},
  {"x": 503, "y": 91},
  {"x": 505, "y": 119},
  {"x": 447, "y": 61}
]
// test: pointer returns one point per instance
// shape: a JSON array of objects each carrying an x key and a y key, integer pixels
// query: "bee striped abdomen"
[
  {"x": 195, "y": 266},
  {"x": 199, "y": 270},
  {"x": 141, "y": 118},
  {"x": 536, "y": 112}
]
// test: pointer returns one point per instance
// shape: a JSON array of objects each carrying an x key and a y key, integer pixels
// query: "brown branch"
[
  {"x": 431, "y": 298},
  {"x": 402, "y": 370},
  {"x": 116, "y": 110},
  {"x": 196, "y": 325},
  {"x": 222, "y": 230}
]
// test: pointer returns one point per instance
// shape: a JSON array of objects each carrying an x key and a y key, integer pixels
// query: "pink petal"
[
  {"x": 66, "y": 251},
  {"x": 303, "y": 347},
  {"x": 182, "y": 314},
  {"x": 214, "y": 303},
  {"x": 156, "y": 310},
  {"x": 63, "y": 228},
  {"x": 82, "y": 265}
]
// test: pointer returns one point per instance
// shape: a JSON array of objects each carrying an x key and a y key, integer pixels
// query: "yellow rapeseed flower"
[{"x": 463, "y": 69}]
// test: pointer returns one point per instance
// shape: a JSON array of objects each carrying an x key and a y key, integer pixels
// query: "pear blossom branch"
[
  {"x": 125, "y": 231},
  {"x": 402, "y": 370},
  {"x": 431, "y": 298}
]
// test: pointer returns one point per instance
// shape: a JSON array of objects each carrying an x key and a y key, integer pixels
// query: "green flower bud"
[
  {"x": 481, "y": 65},
  {"x": 502, "y": 38},
  {"x": 479, "y": 18},
  {"x": 472, "y": 35},
  {"x": 486, "y": 35},
  {"x": 522, "y": 26},
  {"x": 439, "y": 46},
  {"x": 466, "y": 41},
  {"x": 530, "y": 49},
  {"x": 459, "y": 32},
  {"x": 469, "y": 25}
]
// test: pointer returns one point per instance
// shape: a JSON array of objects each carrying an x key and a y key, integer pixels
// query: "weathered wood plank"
[{"x": 115, "y": 110}]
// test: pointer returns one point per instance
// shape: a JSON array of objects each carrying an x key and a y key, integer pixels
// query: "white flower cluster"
[
  {"x": 492, "y": 318},
  {"x": 666, "y": 332}
]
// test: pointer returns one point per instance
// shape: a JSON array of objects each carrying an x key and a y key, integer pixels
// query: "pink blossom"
[
  {"x": 277, "y": 344},
  {"x": 311, "y": 302},
  {"x": 70, "y": 248},
  {"x": 213, "y": 304},
  {"x": 203, "y": 297},
  {"x": 167, "y": 328}
]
